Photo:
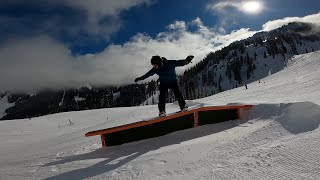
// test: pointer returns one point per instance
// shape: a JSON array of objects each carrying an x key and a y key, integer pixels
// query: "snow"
[
  {"x": 265, "y": 66},
  {"x": 86, "y": 86},
  {"x": 4, "y": 104},
  {"x": 279, "y": 139},
  {"x": 116, "y": 95},
  {"x": 153, "y": 99},
  {"x": 62, "y": 99},
  {"x": 77, "y": 98}
]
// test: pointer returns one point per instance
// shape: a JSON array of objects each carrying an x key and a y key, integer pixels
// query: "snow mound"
[
  {"x": 299, "y": 117},
  {"x": 296, "y": 117}
]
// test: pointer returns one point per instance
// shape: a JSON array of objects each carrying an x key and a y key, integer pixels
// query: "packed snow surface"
[{"x": 279, "y": 139}]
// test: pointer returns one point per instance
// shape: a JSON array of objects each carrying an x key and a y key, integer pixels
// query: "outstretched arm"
[
  {"x": 183, "y": 62},
  {"x": 148, "y": 74}
]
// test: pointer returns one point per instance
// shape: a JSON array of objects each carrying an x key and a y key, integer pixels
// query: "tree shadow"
[{"x": 118, "y": 156}]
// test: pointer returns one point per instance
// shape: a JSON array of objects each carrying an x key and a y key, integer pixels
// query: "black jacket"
[{"x": 166, "y": 72}]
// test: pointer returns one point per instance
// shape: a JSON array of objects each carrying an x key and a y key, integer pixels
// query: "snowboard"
[{"x": 196, "y": 106}]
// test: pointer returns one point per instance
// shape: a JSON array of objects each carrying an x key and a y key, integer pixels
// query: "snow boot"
[
  {"x": 184, "y": 108},
  {"x": 162, "y": 114}
]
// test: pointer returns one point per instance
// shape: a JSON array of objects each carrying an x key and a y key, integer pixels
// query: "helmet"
[{"x": 156, "y": 60}]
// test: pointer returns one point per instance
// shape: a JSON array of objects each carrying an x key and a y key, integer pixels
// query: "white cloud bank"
[
  {"x": 36, "y": 63},
  {"x": 314, "y": 18}
]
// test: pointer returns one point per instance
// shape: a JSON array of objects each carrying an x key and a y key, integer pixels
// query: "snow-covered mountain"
[
  {"x": 250, "y": 60},
  {"x": 278, "y": 140}
]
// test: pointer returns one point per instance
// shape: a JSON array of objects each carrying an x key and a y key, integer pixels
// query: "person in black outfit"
[{"x": 165, "y": 69}]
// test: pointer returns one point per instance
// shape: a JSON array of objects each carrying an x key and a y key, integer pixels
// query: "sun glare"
[{"x": 252, "y": 7}]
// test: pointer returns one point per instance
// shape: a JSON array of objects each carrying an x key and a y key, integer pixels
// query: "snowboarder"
[{"x": 165, "y": 69}]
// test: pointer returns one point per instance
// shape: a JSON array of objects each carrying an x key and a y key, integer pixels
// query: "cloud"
[
  {"x": 36, "y": 63},
  {"x": 228, "y": 10},
  {"x": 314, "y": 18},
  {"x": 244, "y": 6},
  {"x": 97, "y": 10},
  {"x": 221, "y": 6},
  {"x": 221, "y": 9},
  {"x": 32, "y": 64},
  {"x": 237, "y": 35},
  {"x": 178, "y": 25},
  {"x": 102, "y": 8},
  {"x": 75, "y": 20}
]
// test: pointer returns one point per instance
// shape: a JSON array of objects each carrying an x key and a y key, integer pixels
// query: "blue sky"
[
  {"x": 150, "y": 18},
  {"x": 94, "y": 39}
]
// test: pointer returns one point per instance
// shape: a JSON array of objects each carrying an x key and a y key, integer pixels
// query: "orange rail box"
[{"x": 168, "y": 124}]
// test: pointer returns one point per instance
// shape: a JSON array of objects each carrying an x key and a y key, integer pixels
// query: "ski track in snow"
[{"x": 278, "y": 140}]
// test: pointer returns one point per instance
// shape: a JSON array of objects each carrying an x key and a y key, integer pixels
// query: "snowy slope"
[
  {"x": 264, "y": 66},
  {"x": 153, "y": 99},
  {"x": 279, "y": 140}
]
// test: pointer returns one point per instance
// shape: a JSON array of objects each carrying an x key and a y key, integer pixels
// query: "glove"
[
  {"x": 189, "y": 58},
  {"x": 137, "y": 79}
]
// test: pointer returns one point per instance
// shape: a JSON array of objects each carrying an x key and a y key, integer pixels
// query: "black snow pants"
[{"x": 163, "y": 95}]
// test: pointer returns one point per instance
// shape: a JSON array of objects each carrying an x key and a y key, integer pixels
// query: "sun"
[{"x": 252, "y": 7}]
